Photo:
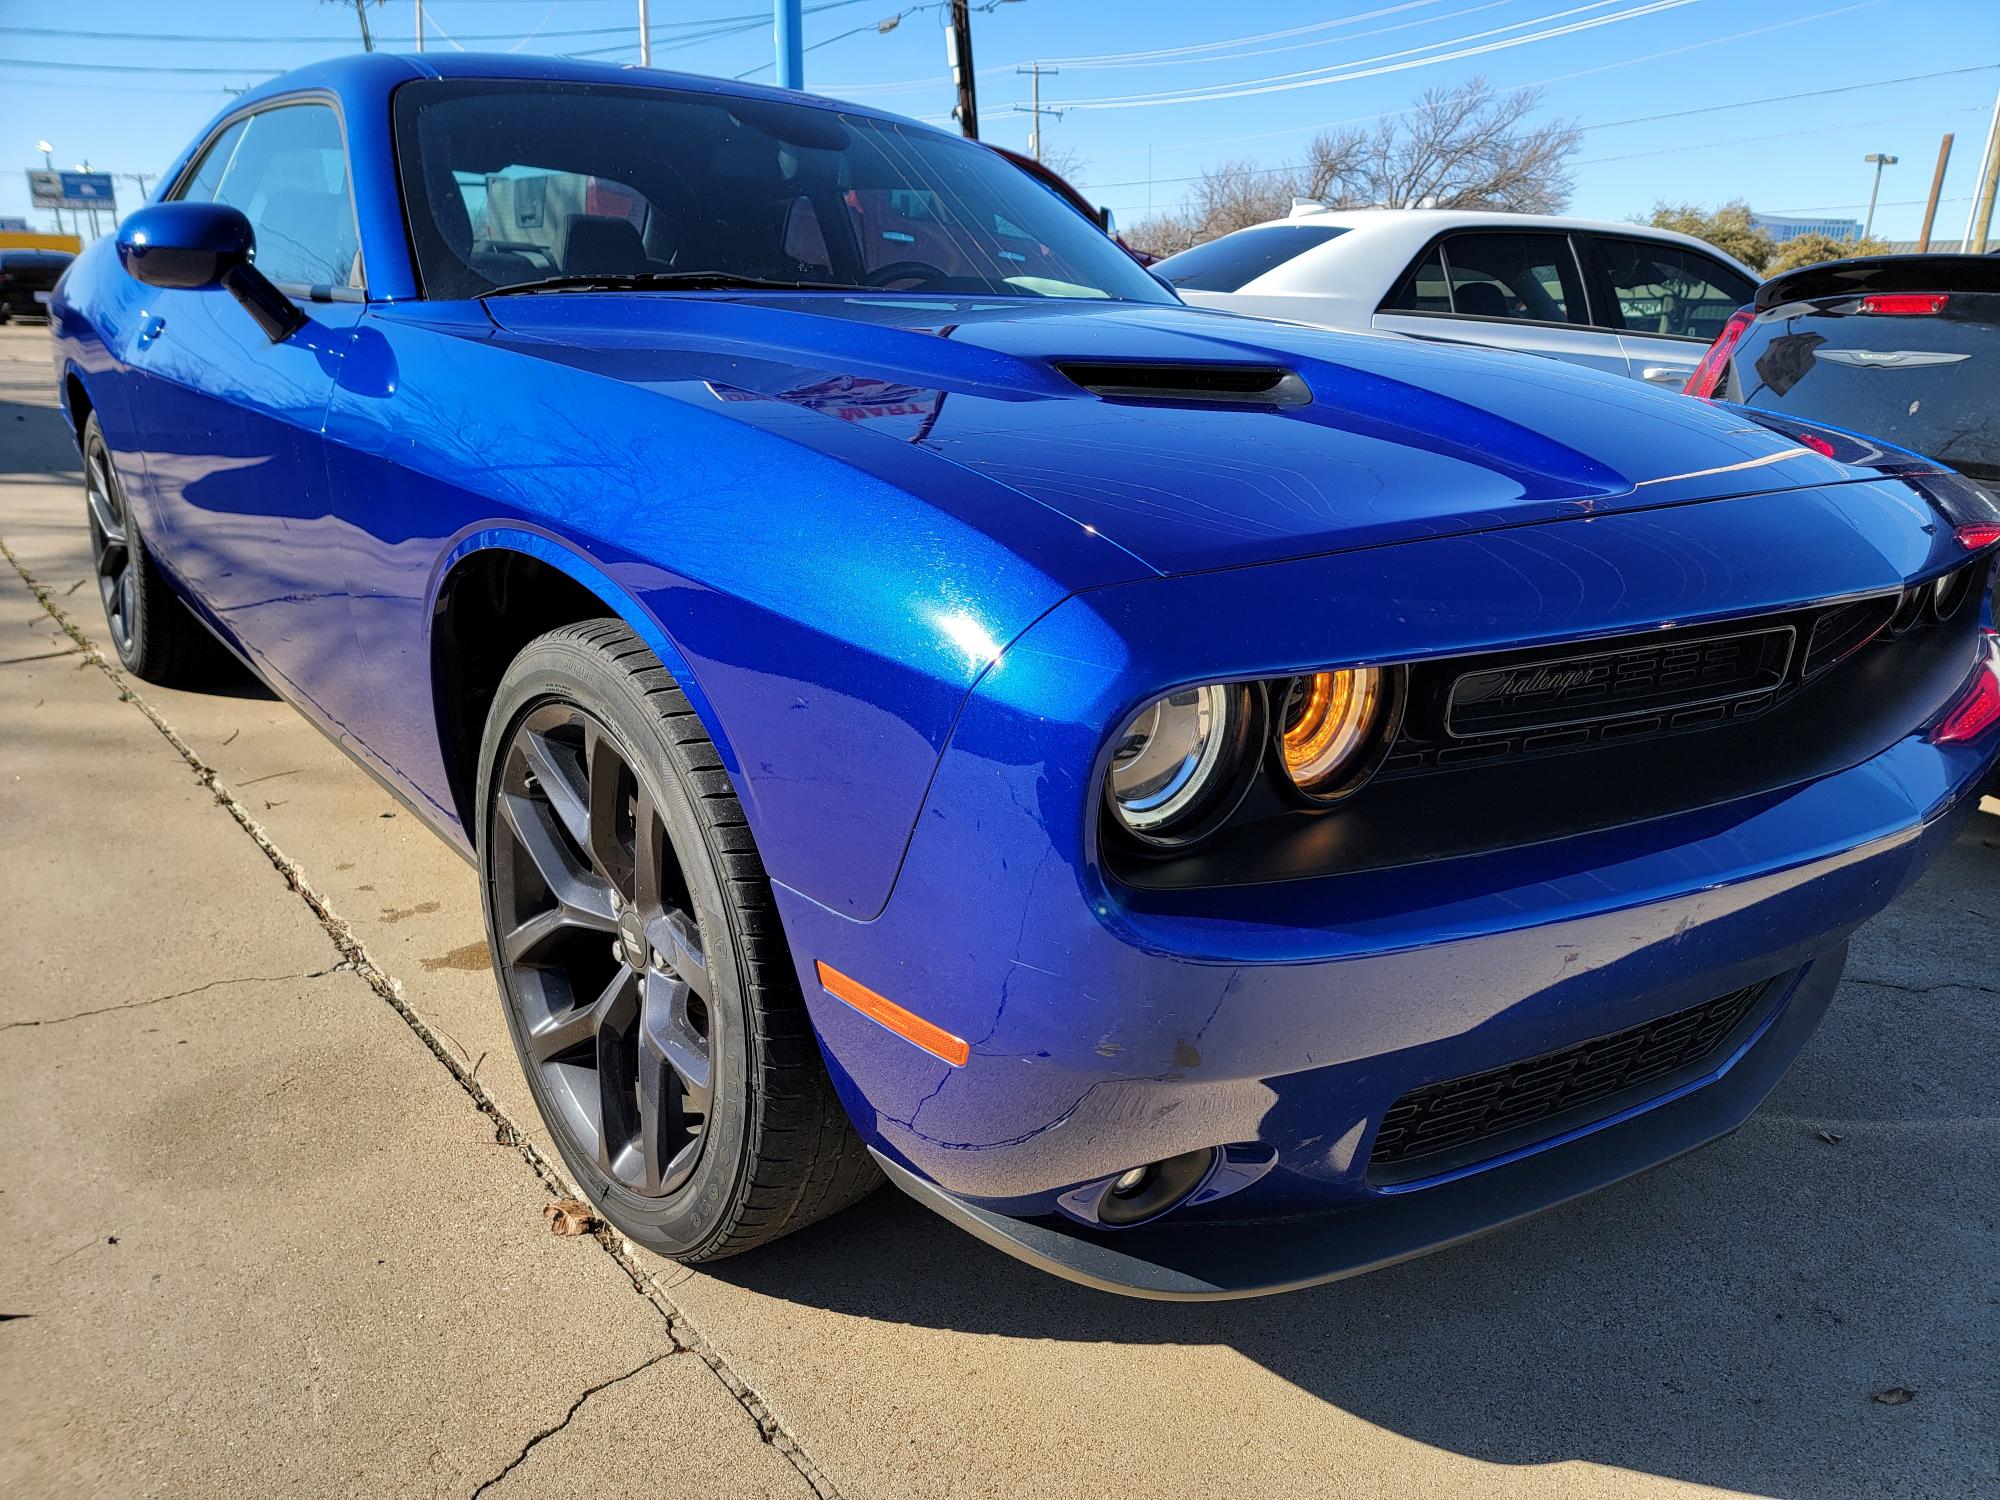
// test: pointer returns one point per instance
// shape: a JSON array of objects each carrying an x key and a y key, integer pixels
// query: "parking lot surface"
[{"x": 273, "y": 1209}]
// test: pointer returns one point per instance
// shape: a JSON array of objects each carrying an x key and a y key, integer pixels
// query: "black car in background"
[
  {"x": 1903, "y": 347},
  {"x": 26, "y": 279}
]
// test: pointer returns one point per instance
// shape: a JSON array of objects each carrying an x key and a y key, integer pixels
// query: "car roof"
[
  {"x": 377, "y": 73},
  {"x": 1421, "y": 223}
]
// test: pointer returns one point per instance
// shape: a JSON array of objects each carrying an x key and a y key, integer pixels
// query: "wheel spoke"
[
  {"x": 676, "y": 1083},
  {"x": 559, "y": 778},
  {"x": 648, "y": 841},
  {"x": 616, "y": 1013},
  {"x": 102, "y": 510},
  {"x": 607, "y": 773},
  {"x": 675, "y": 938},
  {"x": 584, "y": 900},
  {"x": 563, "y": 1033}
]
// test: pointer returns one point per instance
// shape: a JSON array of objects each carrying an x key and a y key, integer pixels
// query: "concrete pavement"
[{"x": 329, "y": 1274}]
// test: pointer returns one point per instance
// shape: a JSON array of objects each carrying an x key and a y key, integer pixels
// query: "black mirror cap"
[{"x": 184, "y": 246}]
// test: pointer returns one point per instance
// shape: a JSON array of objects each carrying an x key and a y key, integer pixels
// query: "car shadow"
[{"x": 1724, "y": 1320}]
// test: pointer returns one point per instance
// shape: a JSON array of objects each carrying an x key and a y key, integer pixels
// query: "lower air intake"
[{"x": 1462, "y": 1112}]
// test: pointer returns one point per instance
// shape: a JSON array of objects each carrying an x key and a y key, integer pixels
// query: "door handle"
[{"x": 1665, "y": 375}]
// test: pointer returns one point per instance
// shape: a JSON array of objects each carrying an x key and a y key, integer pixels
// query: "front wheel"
[
  {"x": 653, "y": 1003},
  {"x": 153, "y": 632}
]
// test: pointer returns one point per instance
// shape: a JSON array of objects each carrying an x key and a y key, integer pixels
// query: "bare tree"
[{"x": 1463, "y": 147}]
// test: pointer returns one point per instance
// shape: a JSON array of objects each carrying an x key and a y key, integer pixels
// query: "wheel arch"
[
  {"x": 77, "y": 405},
  {"x": 492, "y": 593}
]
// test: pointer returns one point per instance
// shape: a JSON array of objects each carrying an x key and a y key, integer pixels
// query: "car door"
[
  {"x": 1506, "y": 289},
  {"x": 1668, "y": 301},
  {"x": 230, "y": 422}
]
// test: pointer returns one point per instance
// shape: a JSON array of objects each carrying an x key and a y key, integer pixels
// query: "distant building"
[
  {"x": 1781, "y": 228},
  {"x": 1939, "y": 246}
]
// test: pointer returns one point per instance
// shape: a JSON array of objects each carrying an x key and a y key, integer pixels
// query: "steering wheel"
[{"x": 923, "y": 273}]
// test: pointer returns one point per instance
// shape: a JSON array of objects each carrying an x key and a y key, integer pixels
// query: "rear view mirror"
[{"x": 196, "y": 247}]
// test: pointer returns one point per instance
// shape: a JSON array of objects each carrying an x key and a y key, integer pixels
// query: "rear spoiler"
[{"x": 1882, "y": 273}]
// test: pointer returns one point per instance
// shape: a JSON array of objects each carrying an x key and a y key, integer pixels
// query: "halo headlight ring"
[
  {"x": 1331, "y": 731},
  {"x": 1184, "y": 762}
]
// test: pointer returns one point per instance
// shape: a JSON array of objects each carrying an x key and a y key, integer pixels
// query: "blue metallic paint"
[{"x": 911, "y": 577}]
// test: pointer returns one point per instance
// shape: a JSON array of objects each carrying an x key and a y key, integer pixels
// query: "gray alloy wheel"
[
  {"x": 155, "y": 636},
  {"x": 650, "y": 995}
]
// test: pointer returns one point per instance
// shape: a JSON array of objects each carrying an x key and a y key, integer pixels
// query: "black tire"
[
  {"x": 151, "y": 630},
  {"x": 590, "y": 741}
]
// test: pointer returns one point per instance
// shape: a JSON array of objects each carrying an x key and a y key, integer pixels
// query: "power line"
[
  {"x": 1349, "y": 72},
  {"x": 1706, "y": 109}
]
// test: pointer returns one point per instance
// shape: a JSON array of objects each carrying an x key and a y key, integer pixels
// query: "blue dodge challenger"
[{"x": 1208, "y": 806}]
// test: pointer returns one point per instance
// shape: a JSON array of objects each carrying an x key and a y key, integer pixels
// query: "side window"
[
  {"x": 1532, "y": 277},
  {"x": 200, "y": 185},
  {"x": 1666, "y": 289},
  {"x": 288, "y": 174},
  {"x": 1424, "y": 289}
]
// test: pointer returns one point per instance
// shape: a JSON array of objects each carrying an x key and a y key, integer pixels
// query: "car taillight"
[
  {"x": 1976, "y": 534},
  {"x": 1708, "y": 374},
  {"x": 1979, "y": 708},
  {"x": 1904, "y": 304}
]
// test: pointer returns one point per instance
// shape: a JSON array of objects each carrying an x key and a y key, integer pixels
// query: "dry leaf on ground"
[{"x": 569, "y": 1216}]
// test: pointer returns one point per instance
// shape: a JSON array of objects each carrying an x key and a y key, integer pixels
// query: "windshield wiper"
[{"x": 667, "y": 281}]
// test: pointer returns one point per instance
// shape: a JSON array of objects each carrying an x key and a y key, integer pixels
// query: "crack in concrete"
[
  {"x": 105, "y": 1010},
  {"x": 569, "y": 1416},
  {"x": 356, "y": 957},
  {"x": 1921, "y": 989},
  {"x": 15, "y": 661}
]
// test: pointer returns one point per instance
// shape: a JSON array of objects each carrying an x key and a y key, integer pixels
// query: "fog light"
[
  {"x": 1130, "y": 1182},
  {"x": 1147, "y": 1192}
]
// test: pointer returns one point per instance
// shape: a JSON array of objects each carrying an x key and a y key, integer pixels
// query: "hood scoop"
[{"x": 1193, "y": 384}]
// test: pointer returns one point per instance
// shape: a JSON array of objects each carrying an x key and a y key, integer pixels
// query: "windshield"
[
  {"x": 1929, "y": 382},
  {"x": 507, "y": 184}
]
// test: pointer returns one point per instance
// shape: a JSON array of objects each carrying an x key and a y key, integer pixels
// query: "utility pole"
[
  {"x": 788, "y": 35},
  {"x": 420, "y": 25},
  {"x": 645, "y": 36},
  {"x": 361, "y": 15},
  {"x": 1980, "y": 221},
  {"x": 958, "y": 52},
  {"x": 1937, "y": 186},
  {"x": 1035, "y": 72},
  {"x": 1880, "y": 161}
]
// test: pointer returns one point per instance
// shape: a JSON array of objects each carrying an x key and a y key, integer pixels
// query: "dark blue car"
[{"x": 1209, "y": 806}]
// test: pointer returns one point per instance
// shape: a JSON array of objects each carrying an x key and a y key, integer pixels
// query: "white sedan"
[{"x": 1616, "y": 297}]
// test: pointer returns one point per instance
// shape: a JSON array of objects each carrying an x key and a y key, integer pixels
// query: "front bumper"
[
  {"x": 1110, "y": 1027},
  {"x": 1186, "y": 1260}
]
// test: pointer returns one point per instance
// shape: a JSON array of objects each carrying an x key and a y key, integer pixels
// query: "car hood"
[{"x": 1400, "y": 438}]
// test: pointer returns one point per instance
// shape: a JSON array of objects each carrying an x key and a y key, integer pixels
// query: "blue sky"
[{"x": 1157, "y": 90}]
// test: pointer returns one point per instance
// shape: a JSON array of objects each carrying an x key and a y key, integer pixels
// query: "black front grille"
[
  {"x": 1655, "y": 677},
  {"x": 1460, "y": 1112}
]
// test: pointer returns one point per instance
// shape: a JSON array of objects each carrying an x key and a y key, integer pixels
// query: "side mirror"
[{"x": 196, "y": 247}]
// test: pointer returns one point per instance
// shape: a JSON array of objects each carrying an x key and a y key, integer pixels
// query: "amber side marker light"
[{"x": 880, "y": 1009}]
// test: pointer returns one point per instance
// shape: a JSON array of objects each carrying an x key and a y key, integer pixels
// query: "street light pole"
[
  {"x": 645, "y": 37},
  {"x": 1880, "y": 161},
  {"x": 420, "y": 25},
  {"x": 49, "y": 162}
]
